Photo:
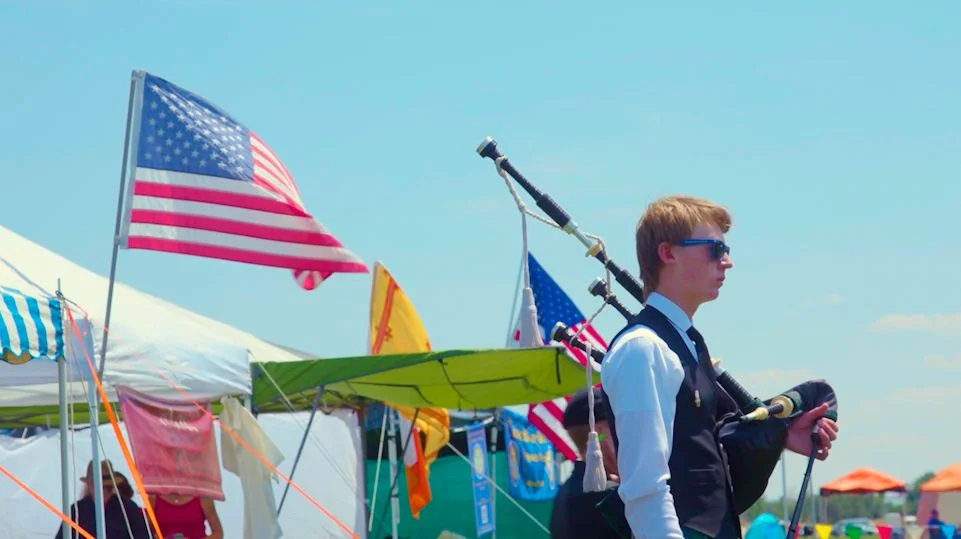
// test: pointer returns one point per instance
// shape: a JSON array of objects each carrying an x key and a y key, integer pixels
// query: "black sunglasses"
[{"x": 718, "y": 247}]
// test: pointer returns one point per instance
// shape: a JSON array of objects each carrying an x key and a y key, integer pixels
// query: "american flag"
[
  {"x": 205, "y": 185},
  {"x": 554, "y": 306}
]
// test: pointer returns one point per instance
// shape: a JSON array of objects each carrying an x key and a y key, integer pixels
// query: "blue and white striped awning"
[{"x": 30, "y": 327}]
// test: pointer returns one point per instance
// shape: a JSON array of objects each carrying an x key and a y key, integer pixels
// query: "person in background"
[
  {"x": 575, "y": 514},
  {"x": 123, "y": 518},
  {"x": 186, "y": 515},
  {"x": 934, "y": 526}
]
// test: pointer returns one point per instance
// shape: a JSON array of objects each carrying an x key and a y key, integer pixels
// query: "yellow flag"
[
  {"x": 823, "y": 530},
  {"x": 396, "y": 328}
]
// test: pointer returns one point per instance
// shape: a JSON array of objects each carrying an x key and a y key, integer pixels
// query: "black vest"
[{"x": 700, "y": 482}]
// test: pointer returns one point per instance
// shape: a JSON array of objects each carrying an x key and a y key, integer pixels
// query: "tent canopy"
[
  {"x": 153, "y": 342},
  {"x": 863, "y": 481},
  {"x": 947, "y": 480},
  {"x": 459, "y": 379},
  {"x": 149, "y": 338}
]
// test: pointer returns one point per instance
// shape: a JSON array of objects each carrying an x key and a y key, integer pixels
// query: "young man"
[
  {"x": 575, "y": 514},
  {"x": 662, "y": 398}
]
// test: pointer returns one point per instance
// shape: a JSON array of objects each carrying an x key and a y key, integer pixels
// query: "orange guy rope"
[
  {"x": 45, "y": 503},
  {"x": 138, "y": 480},
  {"x": 229, "y": 431}
]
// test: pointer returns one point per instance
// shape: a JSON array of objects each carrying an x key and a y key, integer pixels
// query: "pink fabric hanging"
[{"x": 173, "y": 445}]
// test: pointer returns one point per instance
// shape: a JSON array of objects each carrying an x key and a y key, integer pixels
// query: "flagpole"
[
  {"x": 129, "y": 148},
  {"x": 392, "y": 426},
  {"x": 93, "y": 399}
]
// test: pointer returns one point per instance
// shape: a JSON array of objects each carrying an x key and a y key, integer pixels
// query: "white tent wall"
[
  {"x": 330, "y": 470},
  {"x": 948, "y": 505},
  {"x": 148, "y": 335}
]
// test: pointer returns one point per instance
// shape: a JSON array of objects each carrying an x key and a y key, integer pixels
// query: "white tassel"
[
  {"x": 595, "y": 476},
  {"x": 530, "y": 331}
]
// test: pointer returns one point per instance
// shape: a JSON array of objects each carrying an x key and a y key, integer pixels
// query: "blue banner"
[
  {"x": 530, "y": 459},
  {"x": 374, "y": 416},
  {"x": 480, "y": 470}
]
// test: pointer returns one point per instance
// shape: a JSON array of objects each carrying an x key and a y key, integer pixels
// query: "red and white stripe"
[
  {"x": 548, "y": 416},
  {"x": 271, "y": 174},
  {"x": 263, "y": 222}
]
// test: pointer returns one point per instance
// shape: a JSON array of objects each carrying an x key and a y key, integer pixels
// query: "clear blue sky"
[{"x": 832, "y": 133}]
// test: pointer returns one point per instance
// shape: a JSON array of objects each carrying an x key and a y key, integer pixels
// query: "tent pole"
[
  {"x": 380, "y": 454},
  {"x": 300, "y": 450},
  {"x": 362, "y": 421},
  {"x": 98, "y": 502},
  {"x": 392, "y": 453},
  {"x": 493, "y": 460},
  {"x": 95, "y": 460},
  {"x": 64, "y": 448}
]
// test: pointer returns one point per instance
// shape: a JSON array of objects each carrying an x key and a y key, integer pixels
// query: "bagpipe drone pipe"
[{"x": 755, "y": 436}]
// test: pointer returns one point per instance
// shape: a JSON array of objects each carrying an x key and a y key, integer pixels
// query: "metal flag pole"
[
  {"x": 129, "y": 149},
  {"x": 130, "y": 146}
]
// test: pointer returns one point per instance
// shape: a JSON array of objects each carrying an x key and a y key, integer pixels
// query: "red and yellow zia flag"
[{"x": 396, "y": 328}]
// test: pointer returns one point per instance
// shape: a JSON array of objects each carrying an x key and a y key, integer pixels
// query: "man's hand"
[{"x": 799, "y": 434}]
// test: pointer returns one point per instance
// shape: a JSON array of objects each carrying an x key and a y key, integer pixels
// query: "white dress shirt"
[{"x": 641, "y": 376}]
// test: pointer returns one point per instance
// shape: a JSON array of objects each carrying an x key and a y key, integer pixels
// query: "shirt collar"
[{"x": 670, "y": 309}]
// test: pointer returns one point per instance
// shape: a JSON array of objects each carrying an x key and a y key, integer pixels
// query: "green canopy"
[{"x": 458, "y": 379}]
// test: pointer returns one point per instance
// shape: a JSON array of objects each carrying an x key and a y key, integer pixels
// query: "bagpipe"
[{"x": 755, "y": 437}]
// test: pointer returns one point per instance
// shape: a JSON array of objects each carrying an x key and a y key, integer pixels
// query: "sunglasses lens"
[{"x": 720, "y": 249}]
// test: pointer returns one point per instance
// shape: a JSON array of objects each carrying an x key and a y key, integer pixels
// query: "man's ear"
[{"x": 665, "y": 253}]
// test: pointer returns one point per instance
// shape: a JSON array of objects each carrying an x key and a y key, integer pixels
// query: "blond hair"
[{"x": 672, "y": 219}]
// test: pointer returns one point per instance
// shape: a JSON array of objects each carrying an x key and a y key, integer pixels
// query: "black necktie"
[
  {"x": 702, "y": 354},
  {"x": 703, "y": 358}
]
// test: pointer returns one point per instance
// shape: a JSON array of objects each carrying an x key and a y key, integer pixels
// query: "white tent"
[
  {"x": 151, "y": 342},
  {"x": 330, "y": 471},
  {"x": 148, "y": 336}
]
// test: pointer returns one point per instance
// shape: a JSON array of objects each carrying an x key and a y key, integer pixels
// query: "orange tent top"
[
  {"x": 948, "y": 479},
  {"x": 863, "y": 481}
]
